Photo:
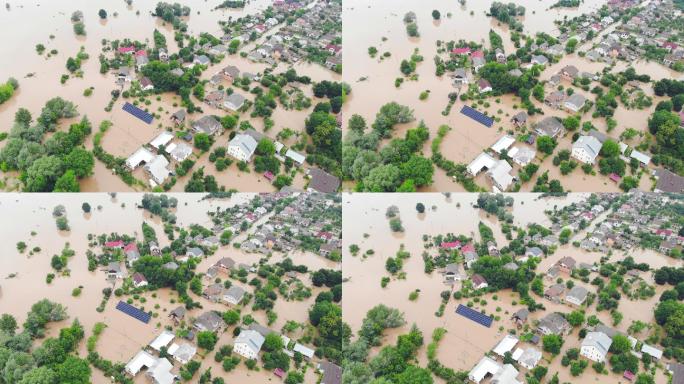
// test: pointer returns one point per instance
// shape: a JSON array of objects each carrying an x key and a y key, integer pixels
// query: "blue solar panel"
[
  {"x": 474, "y": 315},
  {"x": 477, "y": 116},
  {"x": 133, "y": 312},
  {"x": 137, "y": 112}
]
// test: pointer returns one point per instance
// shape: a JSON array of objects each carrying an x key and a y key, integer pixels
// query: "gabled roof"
[
  {"x": 598, "y": 340},
  {"x": 322, "y": 181},
  {"x": 253, "y": 339},
  {"x": 245, "y": 143}
]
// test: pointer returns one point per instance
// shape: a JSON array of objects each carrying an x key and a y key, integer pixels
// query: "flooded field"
[
  {"x": 365, "y": 224},
  {"x": 39, "y": 75},
  {"x": 123, "y": 336}
]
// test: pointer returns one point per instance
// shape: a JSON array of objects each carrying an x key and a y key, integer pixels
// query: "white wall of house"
[
  {"x": 244, "y": 350},
  {"x": 582, "y": 155},
  {"x": 592, "y": 353},
  {"x": 237, "y": 152}
]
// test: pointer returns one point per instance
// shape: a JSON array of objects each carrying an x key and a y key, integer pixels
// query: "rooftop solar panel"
[
  {"x": 474, "y": 315},
  {"x": 137, "y": 112},
  {"x": 477, "y": 116},
  {"x": 133, "y": 312}
]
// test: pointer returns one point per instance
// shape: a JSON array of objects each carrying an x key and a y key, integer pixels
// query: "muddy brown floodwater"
[
  {"x": 365, "y": 224},
  {"x": 123, "y": 336},
  {"x": 48, "y": 23},
  {"x": 372, "y": 79}
]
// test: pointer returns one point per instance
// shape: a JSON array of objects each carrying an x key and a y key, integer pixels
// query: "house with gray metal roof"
[
  {"x": 586, "y": 149},
  {"x": 242, "y": 147},
  {"x": 248, "y": 344},
  {"x": 595, "y": 346}
]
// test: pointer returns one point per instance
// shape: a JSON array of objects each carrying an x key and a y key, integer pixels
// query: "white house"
[
  {"x": 157, "y": 169},
  {"x": 162, "y": 139},
  {"x": 577, "y": 295},
  {"x": 595, "y": 346},
  {"x": 162, "y": 340},
  {"x": 297, "y": 157},
  {"x": 234, "y": 101},
  {"x": 242, "y": 147},
  {"x": 530, "y": 358},
  {"x": 158, "y": 369},
  {"x": 506, "y": 345},
  {"x": 486, "y": 366},
  {"x": 248, "y": 344},
  {"x": 182, "y": 353},
  {"x": 180, "y": 151},
  {"x": 586, "y": 149},
  {"x": 234, "y": 295},
  {"x": 141, "y": 156}
]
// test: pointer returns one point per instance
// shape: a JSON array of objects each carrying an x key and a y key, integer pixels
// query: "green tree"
[
  {"x": 620, "y": 344},
  {"x": 203, "y": 141},
  {"x": 576, "y": 318},
  {"x": 74, "y": 371},
  {"x": 265, "y": 147},
  {"x": 206, "y": 340},
  {"x": 436, "y": 15},
  {"x": 81, "y": 161},
  {"x": 273, "y": 342},
  {"x": 552, "y": 343},
  {"x": 546, "y": 144},
  {"x": 8, "y": 323},
  {"x": 67, "y": 183},
  {"x": 231, "y": 317},
  {"x": 102, "y": 13},
  {"x": 610, "y": 148},
  {"x": 571, "y": 123}
]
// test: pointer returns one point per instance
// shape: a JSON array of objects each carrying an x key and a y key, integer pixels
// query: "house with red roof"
[
  {"x": 139, "y": 280},
  {"x": 132, "y": 253},
  {"x": 461, "y": 51},
  {"x": 326, "y": 236},
  {"x": 141, "y": 52},
  {"x": 670, "y": 46},
  {"x": 450, "y": 244},
  {"x": 614, "y": 177},
  {"x": 115, "y": 244},
  {"x": 469, "y": 254},
  {"x": 479, "y": 282},
  {"x": 126, "y": 50},
  {"x": 663, "y": 233},
  {"x": 260, "y": 28},
  {"x": 333, "y": 48},
  {"x": 478, "y": 53}
]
